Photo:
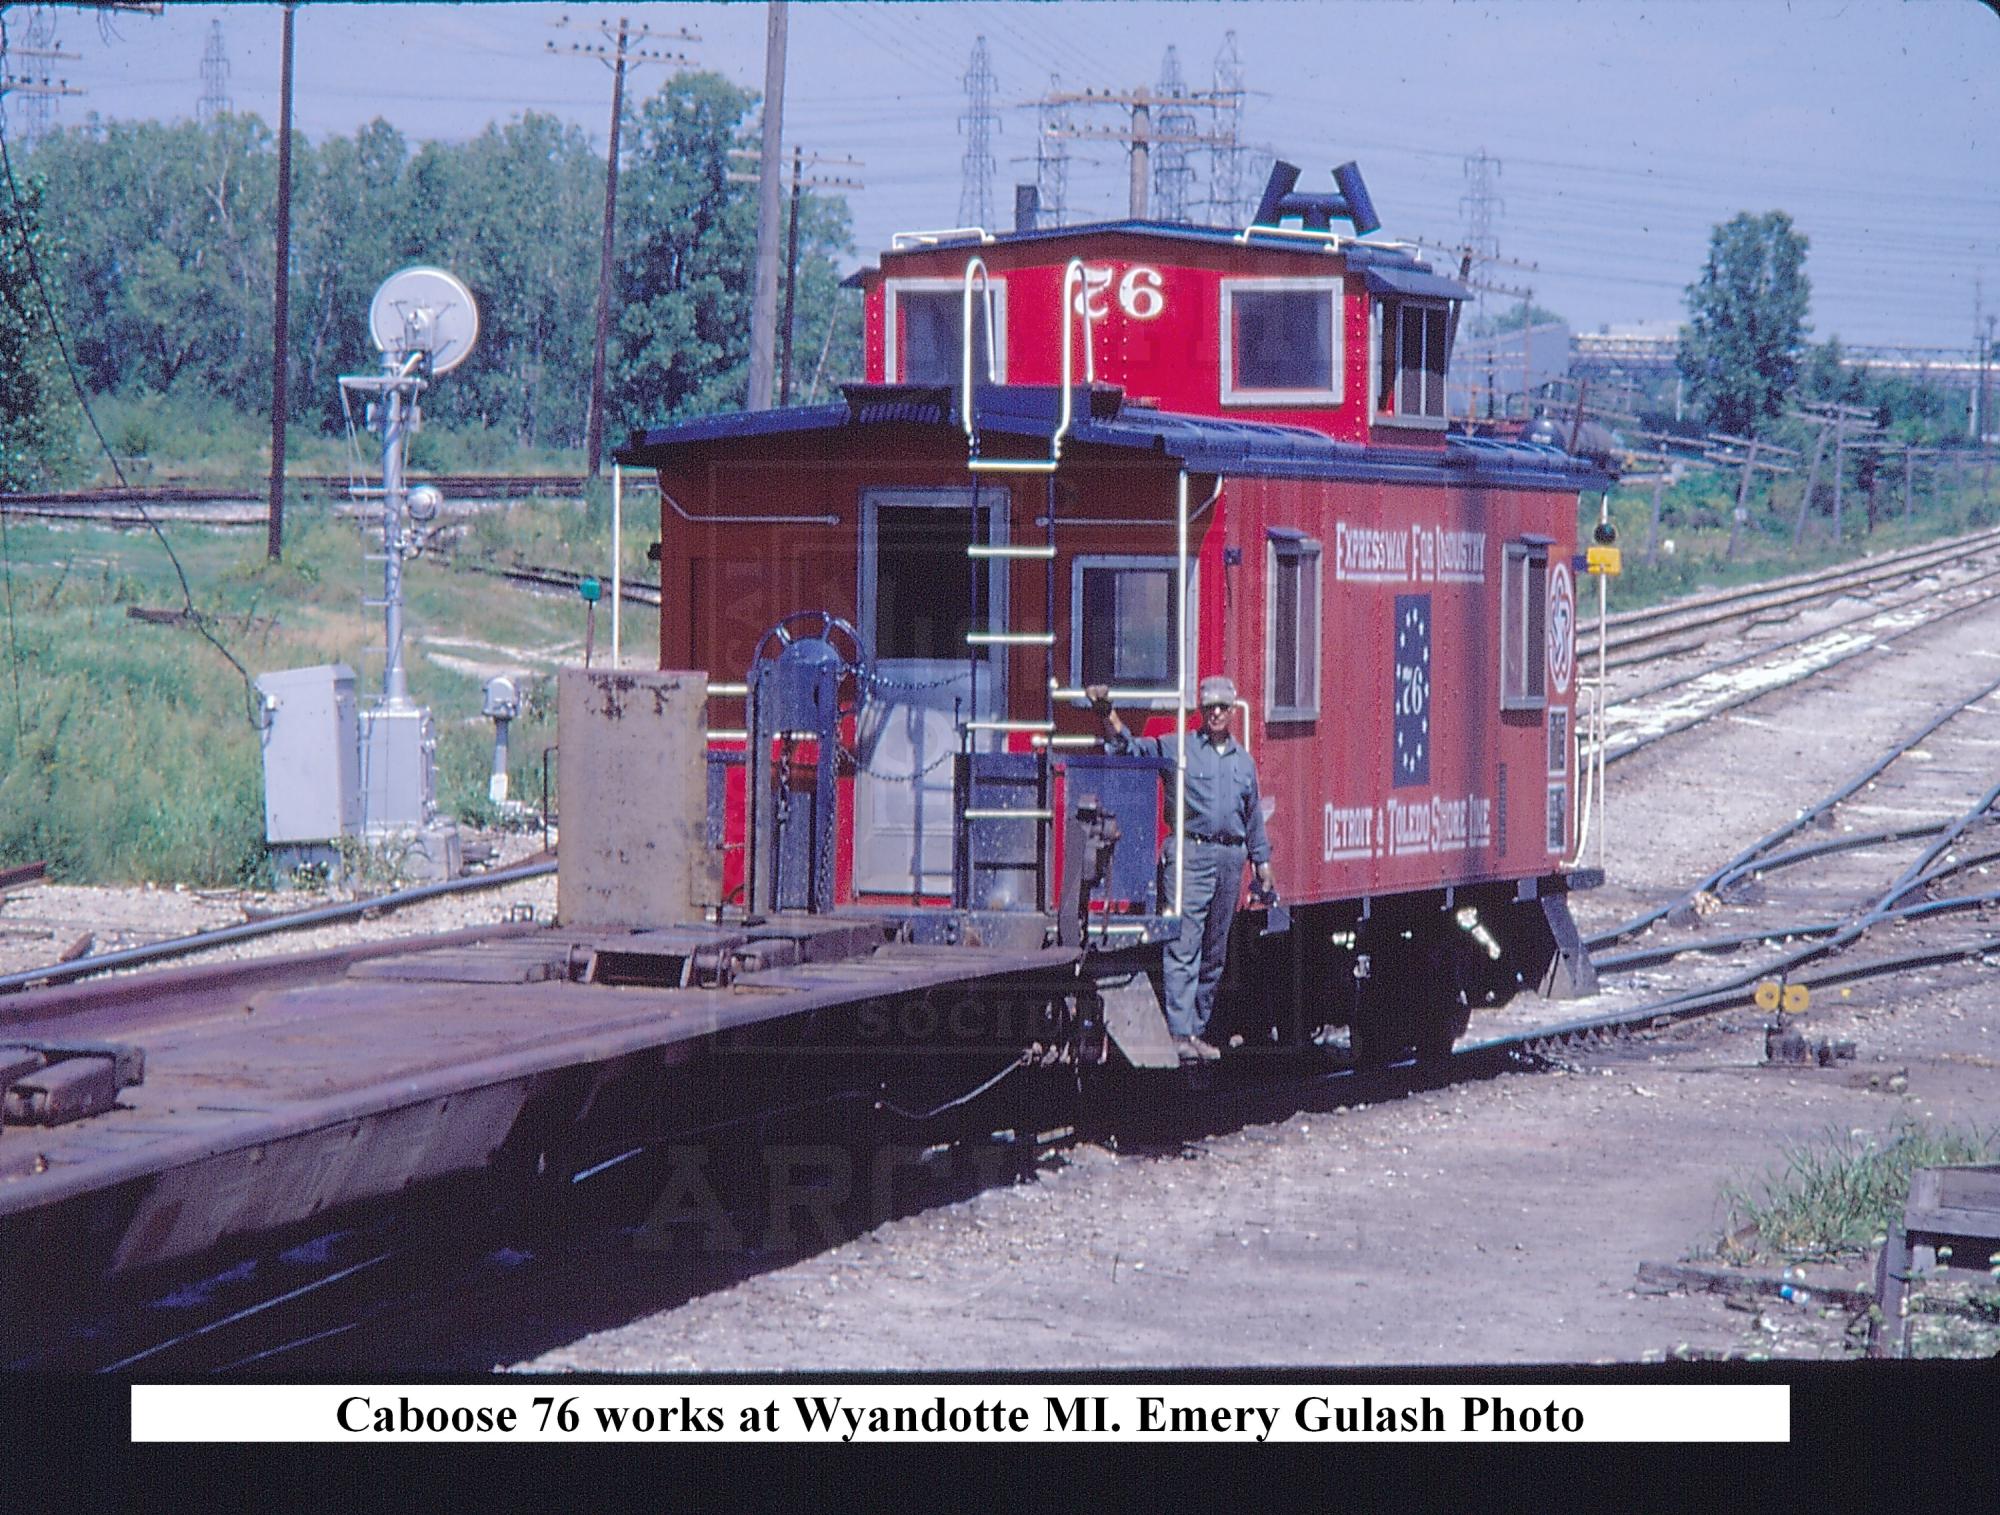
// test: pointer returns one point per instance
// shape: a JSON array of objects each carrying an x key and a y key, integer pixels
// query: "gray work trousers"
[{"x": 1195, "y": 958}]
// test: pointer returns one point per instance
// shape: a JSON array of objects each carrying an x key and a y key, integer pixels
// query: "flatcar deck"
[{"x": 262, "y": 1106}]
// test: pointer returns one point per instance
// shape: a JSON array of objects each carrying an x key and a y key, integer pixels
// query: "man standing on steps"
[{"x": 1225, "y": 826}]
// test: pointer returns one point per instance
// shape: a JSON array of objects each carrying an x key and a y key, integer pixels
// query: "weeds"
[{"x": 1835, "y": 1197}]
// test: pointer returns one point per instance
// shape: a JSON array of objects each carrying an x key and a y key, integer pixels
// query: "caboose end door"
[{"x": 921, "y": 595}]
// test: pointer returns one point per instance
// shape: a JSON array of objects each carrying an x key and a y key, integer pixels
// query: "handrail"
[
  {"x": 1180, "y": 696},
  {"x": 901, "y": 239},
  {"x": 974, "y": 265},
  {"x": 1073, "y": 272},
  {"x": 826, "y": 520}
]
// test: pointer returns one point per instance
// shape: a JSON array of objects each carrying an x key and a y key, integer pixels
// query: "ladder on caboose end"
[{"x": 1041, "y": 732}]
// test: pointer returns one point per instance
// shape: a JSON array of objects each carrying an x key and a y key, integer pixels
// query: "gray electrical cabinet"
[
  {"x": 312, "y": 791},
  {"x": 399, "y": 792}
]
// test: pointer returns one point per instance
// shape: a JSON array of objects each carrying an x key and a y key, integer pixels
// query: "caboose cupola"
[{"x": 1295, "y": 324}]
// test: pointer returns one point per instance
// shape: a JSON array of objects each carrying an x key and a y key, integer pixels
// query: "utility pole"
[
  {"x": 764, "y": 300},
  {"x": 619, "y": 51},
  {"x": 38, "y": 44},
  {"x": 1140, "y": 135},
  {"x": 281, "y": 303},
  {"x": 24, "y": 75},
  {"x": 1985, "y": 453},
  {"x": 801, "y": 160}
]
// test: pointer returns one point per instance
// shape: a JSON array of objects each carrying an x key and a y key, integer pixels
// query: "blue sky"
[{"x": 1624, "y": 130}]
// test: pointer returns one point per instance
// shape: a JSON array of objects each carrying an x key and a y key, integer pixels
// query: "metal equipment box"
[
  {"x": 311, "y": 786},
  {"x": 398, "y": 768}
]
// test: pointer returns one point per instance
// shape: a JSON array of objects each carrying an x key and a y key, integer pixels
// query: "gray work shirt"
[{"x": 1221, "y": 787}]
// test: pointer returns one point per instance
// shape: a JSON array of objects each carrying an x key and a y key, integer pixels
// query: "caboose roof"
[
  {"x": 1389, "y": 268},
  {"x": 884, "y": 416}
]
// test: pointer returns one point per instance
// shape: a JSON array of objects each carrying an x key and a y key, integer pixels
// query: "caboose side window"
[
  {"x": 1124, "y": 611},
  {"x": 1281, "y": 341},
  {"x": 1291, "y": 627},
  {"x": 1524, "y": 582},
  {"x": 926, "y": 326},
  {"x": 1412, "y": 348}
]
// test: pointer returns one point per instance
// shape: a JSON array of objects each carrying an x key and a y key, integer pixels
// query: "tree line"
[
  {"x": 157, "y": 242},
  {"x": 1747, "y": 360}
]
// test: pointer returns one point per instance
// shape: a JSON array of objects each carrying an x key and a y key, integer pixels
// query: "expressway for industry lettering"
[{"x": 1414, "y": 555}]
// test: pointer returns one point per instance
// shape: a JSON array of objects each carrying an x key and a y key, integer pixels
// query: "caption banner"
[{"x": 858, "y": 1413}]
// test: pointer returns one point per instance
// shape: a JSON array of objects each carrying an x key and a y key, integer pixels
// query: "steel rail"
[
  {"x": 157, "y": 952},
  {"x": 1872, "y": 644},
  {"x": 1757, "y": 849},
  {"x": 1801, "y": 640},
  {"x": 1822, "y": 577}
]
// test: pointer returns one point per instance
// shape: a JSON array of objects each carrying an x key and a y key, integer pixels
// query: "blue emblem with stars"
[{"x": 1413, "y": 690}]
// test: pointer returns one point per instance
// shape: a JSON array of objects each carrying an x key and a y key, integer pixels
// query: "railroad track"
[
  {"x": 339, "y": 1298},
  {"x": 1755, "y": 603},
  {"x": 243, "y": 506},
  {"x": 1637, "y": 719}
]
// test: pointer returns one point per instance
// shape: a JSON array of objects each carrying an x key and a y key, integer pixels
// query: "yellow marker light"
[
  {"x": 1604, "y": 560},
  {"x": 1797, "y": 997},
  {"x": 1768, "y": 994}
]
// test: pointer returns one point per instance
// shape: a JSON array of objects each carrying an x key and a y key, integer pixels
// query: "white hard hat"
[{"x": 1217, "y": 689}]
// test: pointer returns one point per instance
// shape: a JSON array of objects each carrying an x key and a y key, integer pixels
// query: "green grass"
[
  {"x": 1834, "y": 1198},
  {"x": 127, "y": 747},
  {"x": 177, "y": 438},
  {"x": 1695, "y": 516}
]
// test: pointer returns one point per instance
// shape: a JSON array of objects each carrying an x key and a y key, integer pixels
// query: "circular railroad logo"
[{"x": 1562, "y": 628}]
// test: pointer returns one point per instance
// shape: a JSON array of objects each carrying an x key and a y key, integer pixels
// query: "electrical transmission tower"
[
  {"x": 214, "y": 78},
  {"x": 1479, "y": 205},
  {"x": 1230, "y": 197},
  {"x": 1052, "y": 157},
  {"x": 980, "y": 121},
  {"x": 1172, "y": 174}
]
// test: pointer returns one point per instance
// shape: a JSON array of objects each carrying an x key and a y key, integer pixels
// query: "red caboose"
[{"x": 1134, "y": 454}]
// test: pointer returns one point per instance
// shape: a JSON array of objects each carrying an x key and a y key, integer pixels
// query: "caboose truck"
[
  {"x": 1131, "y": 454},
  {"x": 1126, "y": 454}
]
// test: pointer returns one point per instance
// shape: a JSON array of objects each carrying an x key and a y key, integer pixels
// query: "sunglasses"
[{"x": 1221, "y": 705}]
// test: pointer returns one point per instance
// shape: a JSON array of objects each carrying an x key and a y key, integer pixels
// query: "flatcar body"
[{"x": 1134, "y": 455}]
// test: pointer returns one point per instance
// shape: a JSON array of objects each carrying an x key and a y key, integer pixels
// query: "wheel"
[{"x": 1442, "y": 1007}]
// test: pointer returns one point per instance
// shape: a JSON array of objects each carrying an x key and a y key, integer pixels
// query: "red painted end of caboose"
[{"x": 1157, "y": 327}]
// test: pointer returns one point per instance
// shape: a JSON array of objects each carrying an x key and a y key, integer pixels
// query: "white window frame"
[
  {"x": 1383, "y": 342},
  {"x": 1231, "y": 393},
  {"x": 1514, "y": 583},
  {"x": 894, "y": 289},
  {"x": 1153, "y": 563},
  {"x": 1286, "y": 543}
]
